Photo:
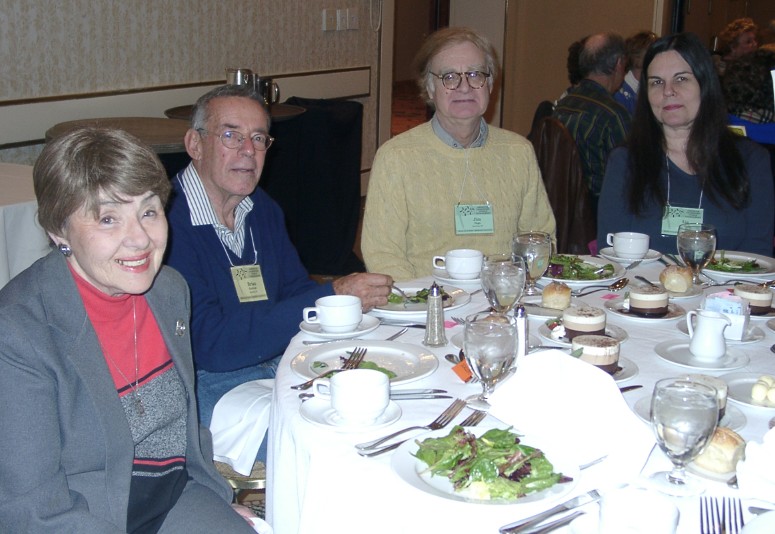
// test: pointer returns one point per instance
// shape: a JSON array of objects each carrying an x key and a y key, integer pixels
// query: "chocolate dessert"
[
  {"x": 579, "y": 321},
  {"x": 600, "y": 351},
  {"x": 648, "y": 301}
]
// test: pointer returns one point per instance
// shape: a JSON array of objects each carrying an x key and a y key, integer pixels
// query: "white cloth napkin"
[
  {"x": 578, "y": 409},
  {"x": 240, "y": 420},
  {"x": 756, "y": 473}
]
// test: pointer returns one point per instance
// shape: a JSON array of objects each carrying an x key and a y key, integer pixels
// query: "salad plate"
[
  {"x": 651, "y": 256},
  {"x": 320, "y": 413},
  {"x": 368, "y": 324},
  {"x": 418, "y": 311},
  {"x": 735, "y": 265},
  {"x": 752, "y": 335},
  {"x": 443, "y": 276},
  {"x": 740, "y": 385},
  {"x": 610, "y": 330},
  {"x": 733, "y": 418},
  {"x": 677, "y": 352},
  {"x": 621, "y": 307},
  {"x": 415, "y": 472},
  {"x": 407, "y": 362},
  {"x": 587, "y": 263}
]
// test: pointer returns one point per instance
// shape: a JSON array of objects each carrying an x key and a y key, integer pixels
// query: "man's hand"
[{"x": 372, "y": 288}]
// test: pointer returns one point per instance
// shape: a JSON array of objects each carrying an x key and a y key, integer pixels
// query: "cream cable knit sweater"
[{"x": 415, "y": 183}]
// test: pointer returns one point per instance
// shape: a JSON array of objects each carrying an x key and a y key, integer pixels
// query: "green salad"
[
  {"x": 493, "y": 466},
  {"x": 723, "y": 264},
  {"x": 567, "y": 267},
  {"x": 420, "y": 297},
  {"x": 321, "y": 366}
]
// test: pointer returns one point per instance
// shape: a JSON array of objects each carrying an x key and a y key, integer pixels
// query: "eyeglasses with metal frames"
[
  {"x": 233, "y": 139},
  {"x": 452, "y": 80}
]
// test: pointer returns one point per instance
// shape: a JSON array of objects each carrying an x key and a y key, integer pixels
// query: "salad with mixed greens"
[
  {"x": 567, "y": 267},
  {"x": 322, "y": 366},
  {"x": 494, "y": 466},
  {"x": 723, "y": 264},
  {"x": 421, "y": 297}
]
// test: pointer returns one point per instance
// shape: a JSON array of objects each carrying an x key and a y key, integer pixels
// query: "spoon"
[
  {"x": 645, "y": 280},
  {"x": 616, "y": 286}
]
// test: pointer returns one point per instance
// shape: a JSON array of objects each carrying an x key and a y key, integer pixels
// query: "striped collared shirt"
[{"x": 202, "y": 211}]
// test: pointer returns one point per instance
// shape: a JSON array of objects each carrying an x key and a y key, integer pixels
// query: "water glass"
[
  {"x": 696, "y": 245},
  {"x": 490, "y": 347},
  {"x": 535, "y": 249},
  {"x": 503, "y": 280}
]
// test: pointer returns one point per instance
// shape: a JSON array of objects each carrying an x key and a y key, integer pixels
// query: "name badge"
[
  {"x": 674, "y": 217},
  {"x": 249, "y": 283},
  {"x": 473, "y": 219}
]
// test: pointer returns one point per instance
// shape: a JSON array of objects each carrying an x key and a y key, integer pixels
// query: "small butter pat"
[
  {"x": 735, "y": 308},
  {"x": 763, "y": 391}
]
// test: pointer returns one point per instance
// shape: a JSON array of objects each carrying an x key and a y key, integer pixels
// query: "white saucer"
[
  {"x": 651, "y": 256},
  {"x": 752, "y": 335},
  {"x": 771, "y": 324},
  {"x": 627, "y": 370},
  {"x": 320, "y": 413},
  {"x": 733, "y": 418},
  {"x": 677, "y": 352},
  {"x": 443, "y": 276},
  {"x": 368, "y": 324},
  {"x": 534, "y": 309},
  {"x": 610, "y": 330},
  {"x": 621, "y": 307},
  {"x": 692, "y": 292}
]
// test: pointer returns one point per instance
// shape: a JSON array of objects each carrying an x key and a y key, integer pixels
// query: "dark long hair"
[{"x": 711, "y": 149}]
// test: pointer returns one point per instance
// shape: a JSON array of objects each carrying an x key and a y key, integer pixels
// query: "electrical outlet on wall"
[
  {"x": 341, "y": 19},
  {"x": 329, "y": 20}
]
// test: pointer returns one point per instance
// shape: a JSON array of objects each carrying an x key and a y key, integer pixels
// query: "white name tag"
[
  {"x": 674, "y": 217},
  {"x": 471, "y": 219},
  {"x": 249, "y": 283}
]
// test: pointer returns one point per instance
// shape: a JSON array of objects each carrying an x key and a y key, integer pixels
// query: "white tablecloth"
[
  {"x": 22, "y": 240},
  {"x": 317, "y": 483}
]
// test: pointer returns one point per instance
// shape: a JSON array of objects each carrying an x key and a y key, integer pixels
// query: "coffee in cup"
[
  {"x": 358, "y": 396},
  {"x": 460, "y": 263},
  {"x": 336, "y": 314},
  {"x": 629, "y": 245}
]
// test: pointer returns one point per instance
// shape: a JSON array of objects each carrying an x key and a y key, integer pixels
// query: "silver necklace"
[{"x": 138, "y": 401}]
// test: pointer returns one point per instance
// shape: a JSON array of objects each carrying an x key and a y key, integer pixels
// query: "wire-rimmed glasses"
[
  {"x": 233, "y": 139},
  {"x": 452, "y": 80}
]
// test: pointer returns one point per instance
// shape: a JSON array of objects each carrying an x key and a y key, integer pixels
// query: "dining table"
[{"x": 317, "y": 482}]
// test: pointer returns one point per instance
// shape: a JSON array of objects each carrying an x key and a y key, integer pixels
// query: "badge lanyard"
[
  {"x": 472, "y": 219},
  {"x": 248, "y": 280},
  {"x": 674, "y": 216}
]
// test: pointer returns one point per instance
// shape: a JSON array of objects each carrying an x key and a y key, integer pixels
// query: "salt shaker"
[
  {"x": 434, "y": 325},
  {"x": 520, "y": 316}
]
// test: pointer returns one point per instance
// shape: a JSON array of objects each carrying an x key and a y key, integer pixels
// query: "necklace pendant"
[{"x": 139, "y": 408}]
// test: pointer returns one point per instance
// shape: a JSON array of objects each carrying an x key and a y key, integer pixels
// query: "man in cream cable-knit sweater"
[{"x": 453, "y": 182}]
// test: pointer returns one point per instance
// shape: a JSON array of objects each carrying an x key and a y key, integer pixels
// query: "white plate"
[
  {"x": 627, "y": 370},
  {"x": 320, "y": 413},
  {"x": 651, "y": 256},
  {"x": 696, "y": 470},
  {"x": 769, "y": 315},
  {"x": 414, "y": 472},
  {"x": 419, "y": 311},
  {"x": 767, "y": 265},
  {"x": 536, "y": 310},
  {"x": 771, "y": 324},
  {"x": 577, "y": 284},
  {"x": 761, "y": 524},
  {"x": 610, "y": 330},
  {"x": 752, "y": 335},
  {"x": 457, "y": 340},
  {"x": 733, "y": 418},
  {"x": 740, "y": 385},
  {"x": 408, "y": 362},
  {"x": 621, "y": 307},
  {"x": 692, "y": 292},
  {"x": 368, "y": 324},
  {"x": 443, "y": 276},
  {"x": 677, "y": 352}
]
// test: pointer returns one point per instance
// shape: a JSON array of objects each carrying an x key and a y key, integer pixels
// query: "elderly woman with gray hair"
[
  {"x": 100, "y": 429},
  {"x": 455, "y": 181}
]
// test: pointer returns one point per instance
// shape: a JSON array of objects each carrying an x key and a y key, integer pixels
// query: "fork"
[
  {"x": 474, "y": 418},
  {"x": 633, "y": 265},
  {"x": 732, "y": 511},
  {"x": 352, "y": 362},
  {"x": 710, "y": 516},
  {"x": 440, "y": 422}
]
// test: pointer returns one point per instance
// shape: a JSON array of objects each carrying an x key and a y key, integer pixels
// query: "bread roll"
[
  {"x": 722, "y": 453},
  {"x": 556, "y": 296},
  {"x": 676, "y": 279}
]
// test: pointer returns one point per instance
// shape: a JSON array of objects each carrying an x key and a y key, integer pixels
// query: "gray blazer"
[{"x": 66, "y": 450}]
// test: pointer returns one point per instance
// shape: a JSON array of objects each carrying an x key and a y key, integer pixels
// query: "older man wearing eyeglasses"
[
  {"x": 228, "y": 239},
  {"x": 453, "y": 182}
]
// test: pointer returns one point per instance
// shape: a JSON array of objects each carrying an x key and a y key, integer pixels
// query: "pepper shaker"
[{"x": 434, "y": 325}]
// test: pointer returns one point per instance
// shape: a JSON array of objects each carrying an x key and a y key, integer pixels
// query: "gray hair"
[
  {"x": 201, "y": 112},
  {"x": 601, "y": 57}
]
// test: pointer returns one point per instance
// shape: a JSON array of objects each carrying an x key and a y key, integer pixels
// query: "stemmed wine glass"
[
  {"x": 684, "y": 415},
  {"x": 503, "y": 280},
  {"x": 696, "y": 245},
  {"x": 535, "y": 248},
  {"x": 490, "y": 348}
]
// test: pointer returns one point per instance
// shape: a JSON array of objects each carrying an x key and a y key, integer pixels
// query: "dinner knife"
[
  {"x": 625, "y": 389},
  {"x": 407, "y": 325},
  {"x": 525, "y": 524}
]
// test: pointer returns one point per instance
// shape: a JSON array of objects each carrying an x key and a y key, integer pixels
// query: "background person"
[
  {"x": 682, "y": 163},
  {"x": 737, "y": 39},
  {"x": 636, "y": 47},
  {"x": 455, "y": 181},
  {"x": 100, "y": 431}
]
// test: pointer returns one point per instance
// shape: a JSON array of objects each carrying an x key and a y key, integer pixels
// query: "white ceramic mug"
[
  {"x": 460, "y": 263},
  {"x": 637, "y": 511},
  {"x": 629, "y": 245},
  {"x": 707, "y": 335},
  {"x": 336, "y": 314},
  {"x": 358, "y": 396}
]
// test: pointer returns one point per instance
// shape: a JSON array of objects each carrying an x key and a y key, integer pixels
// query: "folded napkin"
[
  {"x": 240, "y": 420},
  {"x": 578, "y": 409},
  {"x": 756, "y": 473}
]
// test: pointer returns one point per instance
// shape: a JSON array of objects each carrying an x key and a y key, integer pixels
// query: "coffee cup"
[
  {"x": 629, "y": 245},
  {"x": 637, "y": 511},
  {"x": 358, "y": 396},
  {"x": 336, "y": 314},
  {"x": 461, "y": 263}
]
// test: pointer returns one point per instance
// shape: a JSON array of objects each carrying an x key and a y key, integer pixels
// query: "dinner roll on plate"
[
  {"x": 556, "y": 296},
  {"x": 723, "y": 452},
  {"x": 676, "y": 279}
]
